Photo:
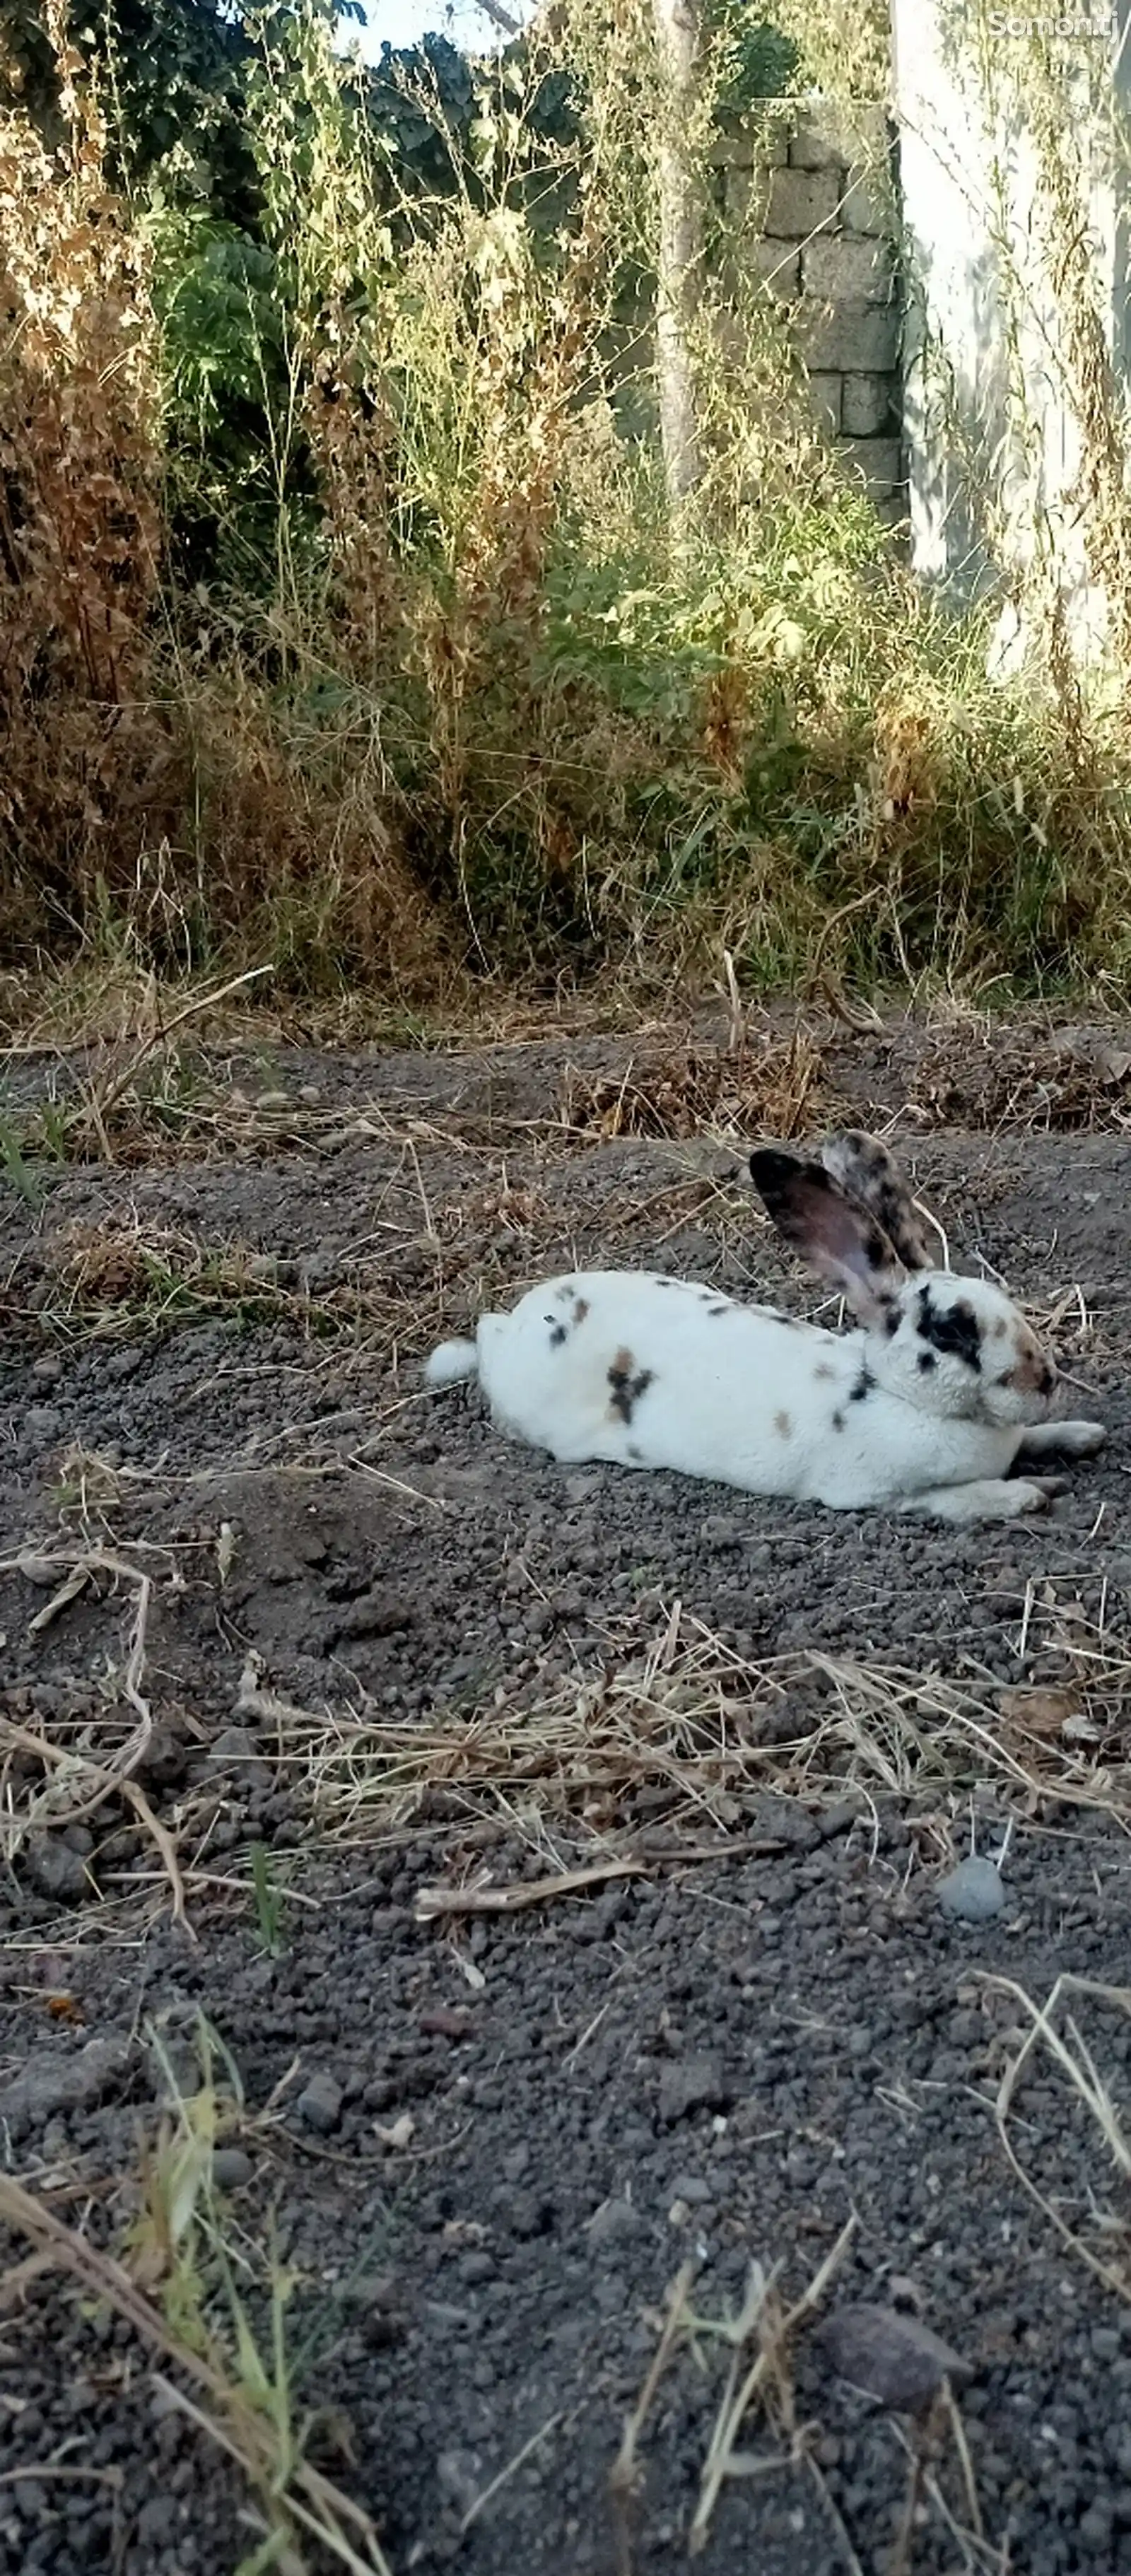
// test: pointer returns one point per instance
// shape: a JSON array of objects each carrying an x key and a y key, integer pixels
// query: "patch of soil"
[{"x": 491, "y": 2141}]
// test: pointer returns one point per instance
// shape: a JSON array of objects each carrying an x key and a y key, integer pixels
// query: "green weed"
[
  {"x": 17, "y": 1171},
  {"x": 270, "y": 1903}
]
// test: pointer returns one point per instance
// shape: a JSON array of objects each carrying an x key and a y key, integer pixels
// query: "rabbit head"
[{"x": 949, "y": 1346}]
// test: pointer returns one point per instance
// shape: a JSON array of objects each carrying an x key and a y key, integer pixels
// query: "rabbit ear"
[
  {"x": 864, "y": 1167},
  {"x": 837, "y": 1236}
]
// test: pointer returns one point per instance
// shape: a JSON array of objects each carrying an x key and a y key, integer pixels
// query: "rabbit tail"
[{"x": 451, "y": 1362}]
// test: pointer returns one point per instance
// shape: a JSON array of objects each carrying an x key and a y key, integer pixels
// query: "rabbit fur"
[{"x": 925, "y": 1407}]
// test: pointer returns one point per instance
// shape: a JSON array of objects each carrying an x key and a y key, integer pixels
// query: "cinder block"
[
  {"x": 893, "y": 508},
  {"x": 811, "y": 148},
  {"x": 869, "y": 405},
  {"x": 879, "y": 460},
  {"x": 825, "y": 397},
  {"x": 779, "y": 267},
  {"x": 851, "y": 339},
  {"x": 868, "y": 203},
  {"x": 848, "y": 269},
  {"x": 830, "y": 134},
  {"x": 760, "y": 140},
  {"x": 801, "y": 202},
  {"x": 747, "y": 195}
]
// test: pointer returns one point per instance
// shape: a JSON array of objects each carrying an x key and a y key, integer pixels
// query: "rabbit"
[{"x": 925, "y": 1407}]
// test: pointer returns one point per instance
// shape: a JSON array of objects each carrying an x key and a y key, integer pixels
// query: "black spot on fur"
[
  {"x": 838, "y": 1422},
  {"x": 633, "y": 1452},
  {"x": 864, "y": 1385},
  {"x": 871, "y": 1175},
  {"x": 951, "y": 1329},
  {"x": 626, "y": 1387},
  {"x": 557, "y": 1332},
  {"x": 801, "y": 1197},
  {"x": 891, "y": 1320},
  {"x": 719, "y": 1310},
  {"x": 927, "y": 1362}
]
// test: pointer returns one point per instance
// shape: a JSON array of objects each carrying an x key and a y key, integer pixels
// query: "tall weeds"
[{"x": 342, "y": 623}]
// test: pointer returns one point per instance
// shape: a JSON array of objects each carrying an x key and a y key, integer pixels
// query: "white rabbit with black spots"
[{"x": 926, "y": 1407}]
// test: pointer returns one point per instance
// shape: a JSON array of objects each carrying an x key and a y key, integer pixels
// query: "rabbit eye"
[{"x": 951, "y": 1329}]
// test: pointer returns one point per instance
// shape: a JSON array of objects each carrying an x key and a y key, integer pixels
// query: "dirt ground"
[{"x": 346, "y": 1646}]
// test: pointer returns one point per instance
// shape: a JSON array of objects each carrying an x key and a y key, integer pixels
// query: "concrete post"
[{"x": 992, "y": 413}]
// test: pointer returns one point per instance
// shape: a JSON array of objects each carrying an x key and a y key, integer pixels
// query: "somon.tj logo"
[{"x": 1097, "y": 27}]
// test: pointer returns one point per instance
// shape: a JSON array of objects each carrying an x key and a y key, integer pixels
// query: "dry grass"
[
  {"x": 765, "y": 2384},
  {"x": 688, "y": 1714},
  {"x": 763, "y": 2340},
  {"x": 194, "y": 2293},
  {"x": 1101, "y": 2234},
  {"x": 146, "y": 1091},
  {"x": 750, "y": 1087},
  {"x": 464, "y": 712},
  {"x": 113, "y": 1278},
  {"x": 562, "y": 1764}
]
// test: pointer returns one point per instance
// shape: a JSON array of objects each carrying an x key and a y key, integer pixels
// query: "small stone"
[
  {"x": 1095, "y": 2525},
  {"x": 319, "y": 1269},
  {"x": 890, "y": 2356},
  {"x": 834, "y": 1821},
  {"x": 320, "y": 2104},
  {"x": 235, "y": 1749},
  {"x": 40, "y": 1424},
  {"x": 720, "y": 1531},
  {"x": 524, "y": 2212},
  {"x": 459, "y": 2476},
  {"x": 579, "y": 1488},
  {"x": 55, "y": 1870},
  {"x": 377, "y": 1614},
  {"x": 447, "y": 2021},
  {"x": 50, "y": 2082},
  {"x": 1106, "y": 2342},
  {"x": 48, "y": 1369},
  {"x": 615, "y": 2220},
  {"x": 973, "y": 1893},
  {"x": 157, "y": 2521},
  {"x": 370, "y": 2290},
  {"x": 231, "y": 2168},
  {"x": 691, "y": 2188},
  {"x": 692, "y": 2084},
  {"x": 272, "y": 1100}
]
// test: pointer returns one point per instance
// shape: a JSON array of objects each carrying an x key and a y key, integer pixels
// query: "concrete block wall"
[{"x": 815, "y": 181}]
